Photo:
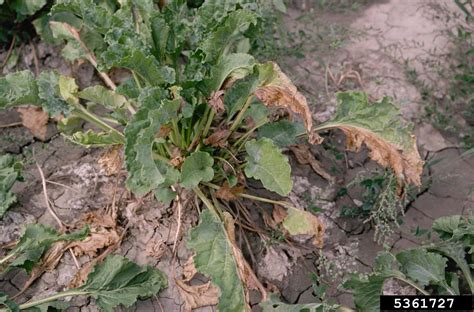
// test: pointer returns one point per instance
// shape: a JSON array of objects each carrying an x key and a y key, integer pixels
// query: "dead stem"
[
  {"x": 13, "y": 124},
  {"x": 10, "y": 50},
  {"x": 178, "y": 228}
]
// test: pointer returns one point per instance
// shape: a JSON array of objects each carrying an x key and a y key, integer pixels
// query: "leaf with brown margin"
[
  {"x": 218, "y": 138},
  {"x": 305, "y": 157},
  {"x": 228, "y": 193},
  {"x": 281, "y": 92},
  {"x": 198, "y": 296},
  {"x": 301, "y": 223},
  {"x": 380, "y": 127},
  {"x": 35, "y": 120}
]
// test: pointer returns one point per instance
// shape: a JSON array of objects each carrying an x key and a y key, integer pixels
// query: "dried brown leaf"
[
  {"x": 111, "y": 161},
  {"x": 164, "y": 131},
  {"x": 281, "y": 92},
  {"x": 156, "y": 249},
  {"x": 216, "y": 101},
  {"x": 247, "y": 276},
  {"x": 305, "y": 157},
  {"x": 35, "y": 120},
  {"x": 228, "y": 193},
  {"x": 279, "y": 214},
  {"x": 97, "y": 240},
  {"x": 218, "y": 138},
  {"x": 197, "y": 296}
]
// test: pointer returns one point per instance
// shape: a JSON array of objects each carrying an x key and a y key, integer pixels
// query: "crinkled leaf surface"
[
  {"x": 215, "y": 259},
  {"x": 266, "y": 163},
  {"x": 103, "y": 96},
  {"x": 197, "y": 168},
  {"x": 379, "y": 126},
  {"x": 9, "y": 173},
  {"x": 423, "y": 267},
  {"x": 366, "y": 292},
  {"x": 27, "y": 7},
  {"x": 35, "y": 240},
  {"x": 283, "y": 133},
  {"x": 91, "y": 138},
  {"x": 144, "y": 172},
  {"x": 118, "y": 281},
  {"x": 224, "y": 34},
  {"x": 17, "y": 89},
  {"x": 456, "y": 228},
  {"x": 48, "y": 91}
]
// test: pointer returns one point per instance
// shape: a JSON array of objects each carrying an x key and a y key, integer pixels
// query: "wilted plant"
[{"x": 199, "y": 115}]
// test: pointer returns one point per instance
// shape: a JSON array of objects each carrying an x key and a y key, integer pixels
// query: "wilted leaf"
[
  {"x": 281, "y": 92},
  {"x": 214, "y": 258},
  {"x": 197, "y": 168},
  {"x": 118, "y": 281},
  {"x": 35, "y": 120},
  {"x": 228, "y": 193},
  {"x": 218, "y": 138},
  {"x": 422, "y": 266},
  {"x": 103, "y": 96},
  {"x": 111, "y": 161},
  {"x": 144, "y": 172},
  {"x": 9, "y": 174},
  {"x": 305, "y": 157},
  {"x": 35, "y": 241},
  {"x": 216, "y": 101},
  {"x": 197, "y": 296},
  {"x": 91, "y": 138},
  {"x": 17, "y": 89},
  {"x": 283, "y": 133},
  {"x": 379, "y": 126},
  {"x": 266, "y": 163},
  {"x": 300, "y": 222}
]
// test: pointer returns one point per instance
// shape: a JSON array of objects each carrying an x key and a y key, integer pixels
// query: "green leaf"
[
  {"x": 27, "y": 7},
  {"x": 144, "y": 173},
  {"x": 9, "y": 174},
  {"x": 34, "y": 242},
  {"x": 214, "y": 258},
  {"x": 283, "y": 133},
  {"x": 118, "y": 281},
  {"x": 235, "y": 65},
  {"x": 258, "y": 113},
  {"x": 300, "y": 222},
  {"x": 423, "y": 267},
  {"x": 265, "y": 162},
  {"x": 366, "y": 292},
  {"x": 239, "y": 92},
  {"x": 197, "y": 168},
  {"x": 144, "y": 64},
  {"x": 380, "y": 127},
  {"x": 91, "y": 138},
  {"x": 219, "y": 40},
  {"x": 103, "y": 96},
  {"x": 48, "y": 91},
  {"x": 279, "y": 5},
  {"x": 273, "y": 304},
  {"x": 10, "y": 305},
  {"x": 446, "y": 226},
  {"x": 456, "y": 228},
  {"x": 17, "y": 89}
]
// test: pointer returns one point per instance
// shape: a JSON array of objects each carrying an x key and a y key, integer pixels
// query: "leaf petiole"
[{"x": 52, "y": 298}]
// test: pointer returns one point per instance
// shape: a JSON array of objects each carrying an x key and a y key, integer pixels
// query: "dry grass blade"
[
  {"x": 35, "y": 120},
  {"x": 305, "y": 157},
  {"x": 281, "y": 92}
]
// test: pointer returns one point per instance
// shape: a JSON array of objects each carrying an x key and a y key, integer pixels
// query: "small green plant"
[
  {"x": 197, "y": 116},
  {"x": 10, "y": 172}
]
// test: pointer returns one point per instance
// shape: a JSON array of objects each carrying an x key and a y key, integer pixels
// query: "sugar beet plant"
[{"x": 198, "y": 115}]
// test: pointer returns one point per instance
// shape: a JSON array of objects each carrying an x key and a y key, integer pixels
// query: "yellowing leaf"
[
  {"x": 300, "y": 222},
  {"x": 379, "y": 126},
  {"x": 281, "y": 92},
  {"x": 35, "y": 120}
]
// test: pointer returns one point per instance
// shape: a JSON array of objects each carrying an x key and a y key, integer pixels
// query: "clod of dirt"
[{"x": 275, "y": 265}]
